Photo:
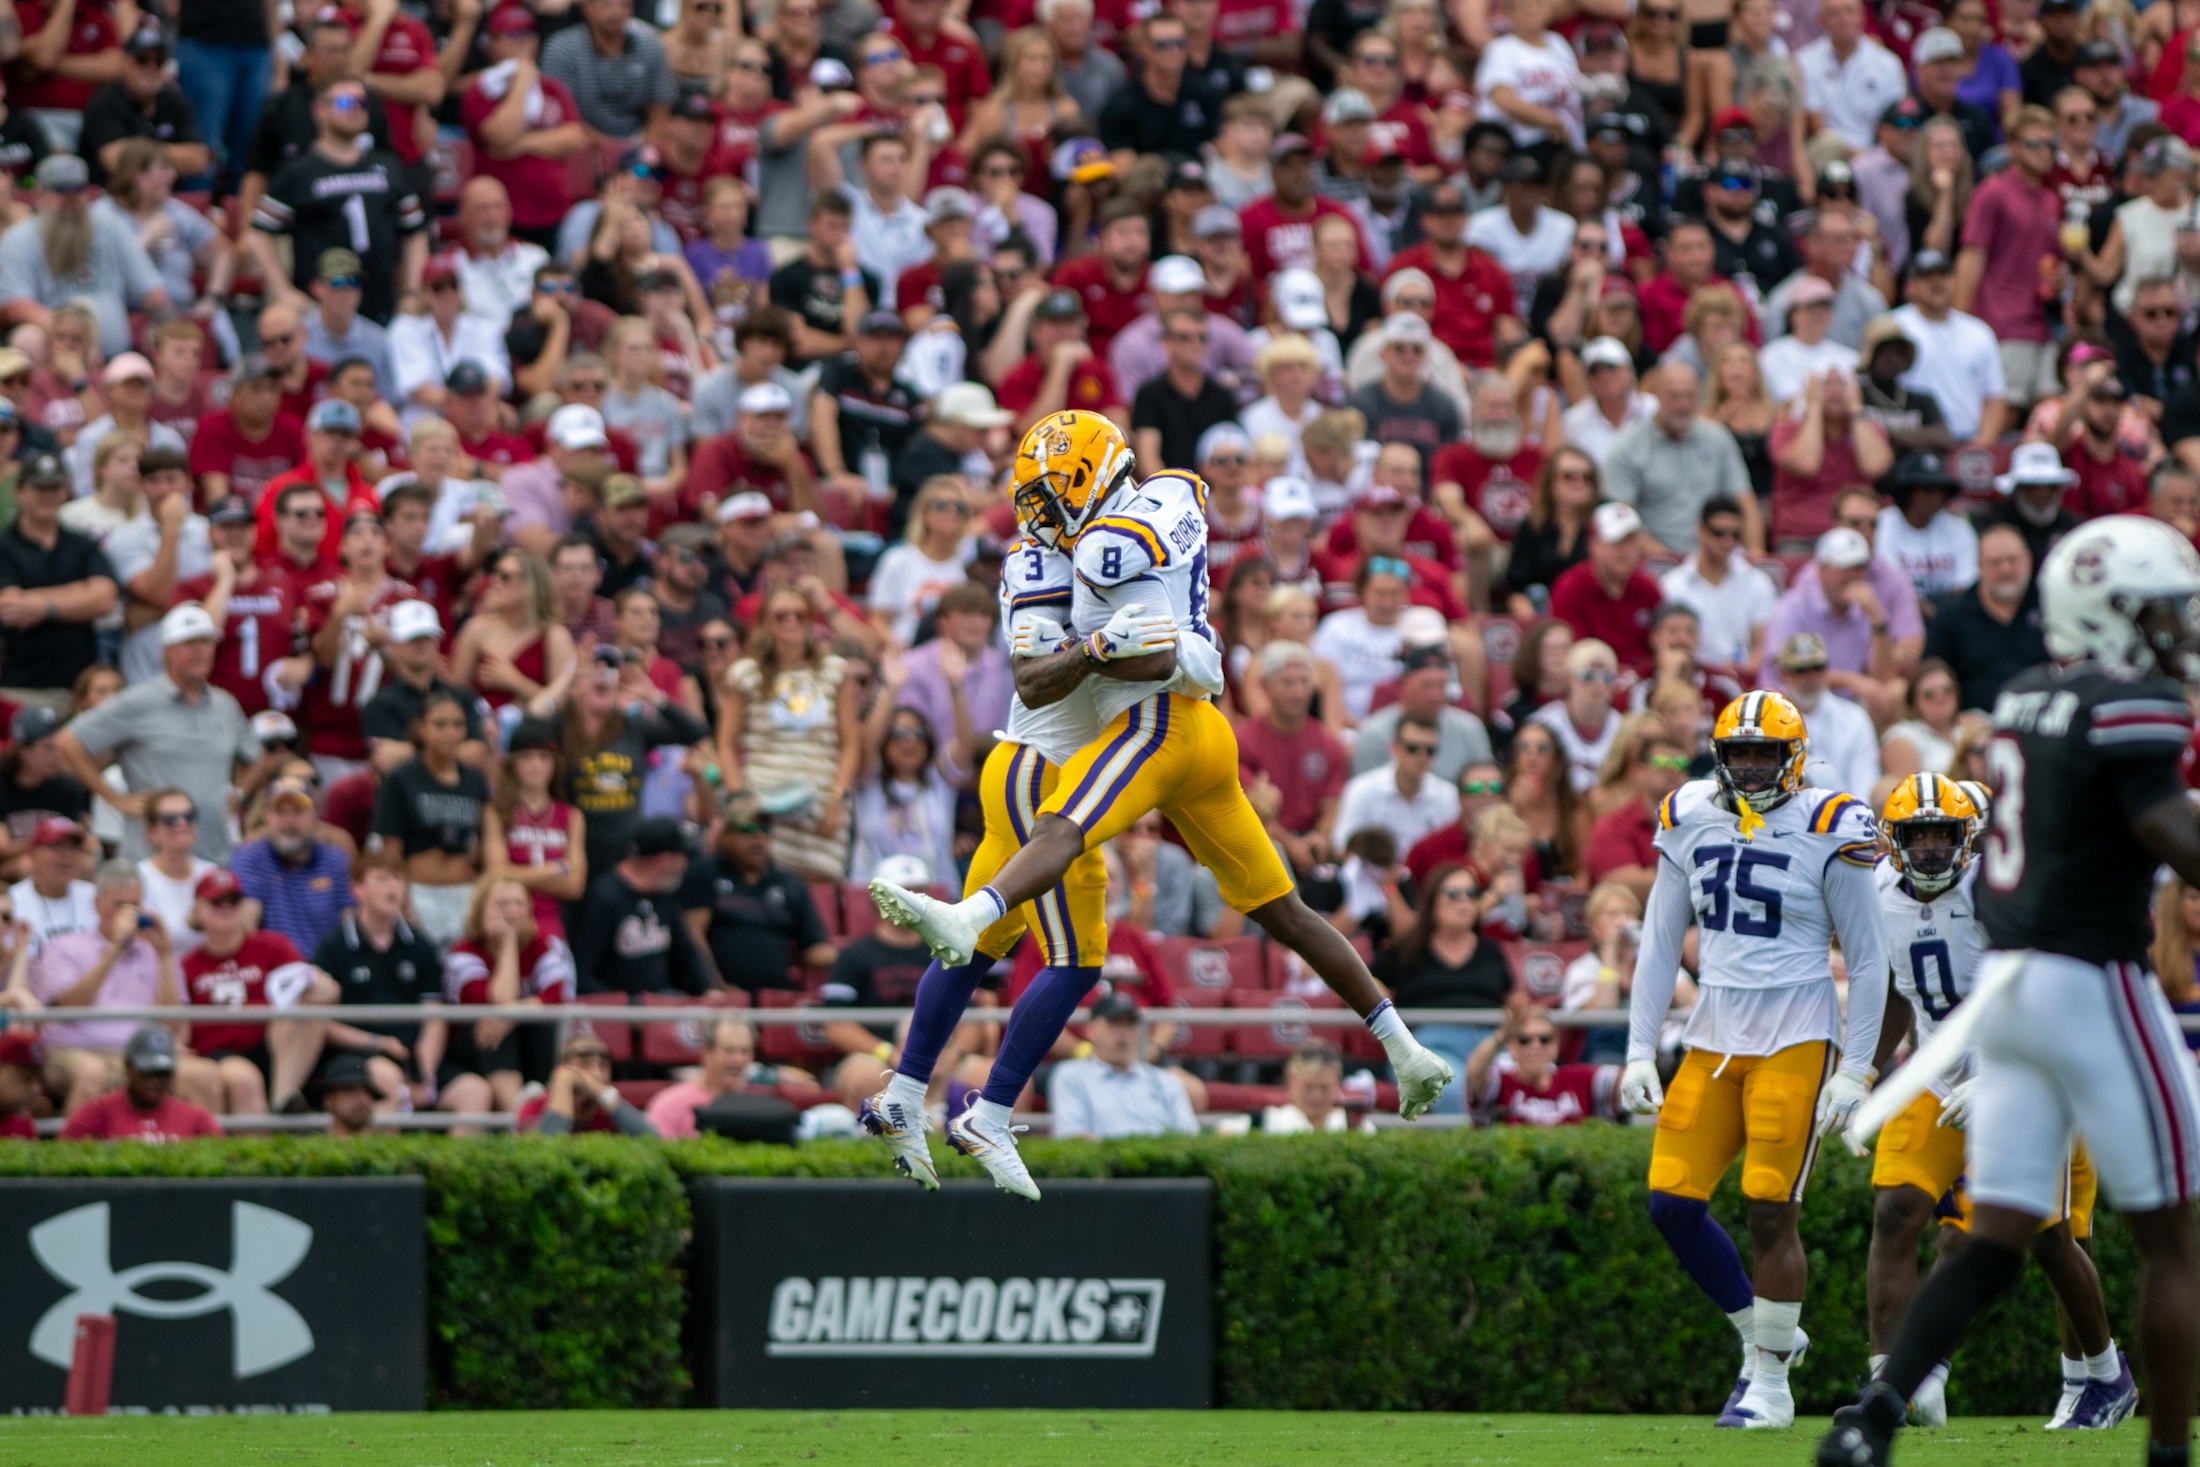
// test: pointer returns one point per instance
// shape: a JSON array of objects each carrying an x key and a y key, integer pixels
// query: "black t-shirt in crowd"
[
  {"x": 407, "y": 971},
  {"x": 49, "y": 654},
  {"x": 757, "y": 930},
  {"x": 1180, "y": 419},
  {"x": 1481, "y": 982},
  {"x": 23, "y": 806},
  {"x": 626, "y": 941},
  {"x": 812, "y": 292},
  {"x": 2163, "y": 381},
  {"x": 286, "y": 127},
  {"x": 1765, "y": 255},
  {"x": 417, "y": 812},
  {"x": 368, "y": 206},
  {"x": 114, "y": 114},
  {"x": 870, "y": 420},
  {"x": 1337, "y": 22},
  {"x": 22, "y": 144},
  {"x": 222, "y": 23},
  {"x": 874, "y": 973},
  {"x": 1135, "y": 120},
  {"x": 389, "y": 714},
  {"x": 606, "y": 785}
]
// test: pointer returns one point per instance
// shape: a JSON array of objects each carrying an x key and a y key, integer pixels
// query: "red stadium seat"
[
  {"x": 826, "y": 896},
  {"x": 1202, "y": 963},
  {"x": 1194, "y": 1041},
  {"x": 681, "y": 1042},
  {"x": 1540, "y": 968},
  {"x": 617, "y": 1038},
  {"x": 801, "y": 1044},
  {"x": 1244, "y": 1099},
  {"x": 1277, "y": 1038},
  {"x": 639, "y": 1093}
]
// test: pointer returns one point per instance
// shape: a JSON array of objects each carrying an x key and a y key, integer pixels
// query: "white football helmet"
[{"x": 2119, "y": 590}]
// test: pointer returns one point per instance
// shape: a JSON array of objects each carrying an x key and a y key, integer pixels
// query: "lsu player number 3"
[
  {"x": 1769, "y": 871},
  {"x": 2068, "y": 1031},
  {"x": 1139, "y": 636}
]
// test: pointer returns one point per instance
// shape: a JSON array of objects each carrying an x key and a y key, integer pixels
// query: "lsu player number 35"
[{"x": 1769, "y": 872}]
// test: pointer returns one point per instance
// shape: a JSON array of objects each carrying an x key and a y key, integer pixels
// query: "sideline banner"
[
  {"x": 276, "y": 1295},
  {"x": 1099, "y": 1296}
]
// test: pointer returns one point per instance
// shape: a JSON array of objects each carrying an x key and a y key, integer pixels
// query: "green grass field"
[{"x": 1012, "y": 1438}]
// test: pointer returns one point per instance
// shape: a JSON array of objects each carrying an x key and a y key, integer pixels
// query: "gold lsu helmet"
[
  {"x": 1760, "y": 722},
  {"x": 1069, "y": 465},
  {"x": 1929, "y": 821},
  {"x": 1983, "y": 799}
]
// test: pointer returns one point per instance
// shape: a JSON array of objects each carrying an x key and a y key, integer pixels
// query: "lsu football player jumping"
[
  {"x": 1769, "y": 871},
  {"x": 1068, "y": 918},
  {"x": 1138, "y": 640},
  {"x": 1934, "y": 943}
]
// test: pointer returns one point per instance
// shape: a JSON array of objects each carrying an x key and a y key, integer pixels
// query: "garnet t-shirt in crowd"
[
  {"x": 251, "y": 464},
  {"x": 537, "y": 184},
  {"x": 1275, "y": 240},
  {"x": 184, "y": 416},
  {"x": 1427, "y": 535},
  {"x": 2118, "y": 486},
  {"x": 339, "y": 691},
  {"x": 265, "y": 970},
  {"x": 1091, "y": 385},
  {"x": 1108, "y": 307},
  {"x": 113, "y": 1118},
  {"x": 1306, "y": 767},
  {"x": 261, "y": 628},
  {"x": 1496, "y": 491},
  {"x": 1467, "y": 307},
  {"x": 1576, "y": 1093},
  {"x": 93, "y": 31},
  {"x": 541, "y": 838},
  {"x": 719, "y": 468},
  {"x": 1621, "y": 623},
  {"x": 545, "y": 970}
]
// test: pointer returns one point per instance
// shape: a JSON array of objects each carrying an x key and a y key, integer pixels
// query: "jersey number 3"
[
  {"x": 2005, "y": 838},
  {"x": 1720, "y": 904}
]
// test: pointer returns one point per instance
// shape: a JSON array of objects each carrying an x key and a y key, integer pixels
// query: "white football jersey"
[
  {"x": 1150, "y": 548},
  {"x": 1035, "y": 582},
  {"x": 1933, "y": 947}
]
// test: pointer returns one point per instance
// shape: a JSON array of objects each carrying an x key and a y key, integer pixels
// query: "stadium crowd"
[{"x": 505, "y": 503}]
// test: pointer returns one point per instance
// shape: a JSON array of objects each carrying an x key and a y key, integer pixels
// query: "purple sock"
[
  {"x": 1033, "y": 1026},
  {"x": 1705, "y": 1251},
  {"x": 942, "y": 995}
]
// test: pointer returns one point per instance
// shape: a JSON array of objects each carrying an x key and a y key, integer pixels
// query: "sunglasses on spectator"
[
  {"x": 1172, "y": 44},
  {"x": 905, "y": 733},
  {"x": 1482, "y": 787},
  {"x": 590, "y": 1057},
  {"x": 880, "y": 58},
  {"x": 348, "y": 101},
  {"x": 1419, "y": 751},
  {"x": 1414, "y": 303},
  {"x": 1459, "y": 894},
  {"x": 953, "y": 506},
  {"x": 647, "y": 172},
  {"x": 1225, "y": 461},
  {"x": 584, "y": 385},
  {"x": 1535, "y": 1039},
  {"x": 174, "y": 818},
  {"x": 1000, "y": 170},
  {"x": 559, "y": 287},
  {"x": 715, "y": 644},
  {"x": 19, "y": 379},
  {"x": 759, "y": 825},
  {"x": 1667, "y": 761},
  {"x": 1377, "y": 58},
  {"x": 2033, "y": 145},
  {"x": 2156, "y": 313},
  {"x": 508, "y": 576},
  {"x": 1660, "y": 14},
  {"x": 1596, "y": 675},
  {"x": 314, "y": 512},
  {"x": 790, "y": 616},
  {"x": 1576, "y": 476},
  {"x": 1723, "y": 532},
  {"x": 343, "y": 282}
]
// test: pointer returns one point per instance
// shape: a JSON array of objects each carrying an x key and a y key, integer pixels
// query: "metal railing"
[{"x": 397, "y": 1013}]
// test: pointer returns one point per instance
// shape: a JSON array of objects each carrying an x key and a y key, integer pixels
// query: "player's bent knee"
[
  {"x": 1900, "y": 1210},
  {"x": 1671, "y": 1213}
]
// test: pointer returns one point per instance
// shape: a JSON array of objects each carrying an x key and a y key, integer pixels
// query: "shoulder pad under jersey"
[{"x": 1034, "y": 576}]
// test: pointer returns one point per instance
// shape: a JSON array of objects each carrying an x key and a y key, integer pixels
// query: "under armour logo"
[{"x": 266, "y": 1247}]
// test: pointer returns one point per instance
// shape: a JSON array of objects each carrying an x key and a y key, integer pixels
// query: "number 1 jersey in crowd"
[{"x": 366, "y": 206}]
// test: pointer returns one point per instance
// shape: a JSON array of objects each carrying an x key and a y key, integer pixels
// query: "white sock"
[
  {"x": 2074, "y": 1370},
  {"x": 1745, "y": 1325},
  {"x": 1775, "y": 1335},
  {"x": 906, "y": 1090},
  {"x": 1878, "y": 1363},
  {"x": 985, "y": 907},
  {"x": 992, "y": 1110},
  {"x": 2105, "y": 1365},
  {"x": 1385, "y": 1024}
]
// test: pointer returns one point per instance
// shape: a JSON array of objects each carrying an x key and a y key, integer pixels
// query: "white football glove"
[
  {"x": 1132, "y": 632},
  {"x": 1955, "y": 1111},
  {"x": 1639, "y": 1091},
  {"x": 1837, "y": 1103},
  {"x": 1038, "y": 635}
]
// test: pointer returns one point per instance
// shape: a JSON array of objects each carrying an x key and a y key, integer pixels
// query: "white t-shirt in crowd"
[
  {"x": 1941, "y": 557},
  {"x": 1958, "y": 362},
  {"x": 1545, "y": 76},
  {"x": 1289, "y": 1120},
  {"x": 1788, "y": 364},
  {"x": 1844, "y": 747},
  {"x": 54, "y": 916},
  {"x": 1727, "y": 613},
  {"x": 907, "y": 582},
  {"x": 1267, "y": 416},
  {"x": 171, "y": 900},
  {"x": 1584, "y": 757},
  {"x": 1366, "y": 655},
  {"x": 1934, "y": 753},
  {"x": 1590, "y": 431},
  {"x": 1372, "y": 799},
  {"x": 1529, "y": 257}
]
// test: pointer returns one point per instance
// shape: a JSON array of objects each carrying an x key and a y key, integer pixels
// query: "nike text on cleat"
[
  {"x": 903, "y": 1131},
  {"x": 2104, "y": 1404},
  {"x": 1863, "y": 1434},
  {"x": 1422, "y": 1076},
  {"x": 993, "y": 1146},
  {"x": 1929, "y": 1407},
  {"x": 948, "y": 933}
]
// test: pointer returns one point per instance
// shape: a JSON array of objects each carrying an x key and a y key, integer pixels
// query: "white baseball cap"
[
  {"x": 412, "y": 620},
  {"x": 765, "y": 397},
  {"x": 1615, "y": 522},
  {"x": 577, "y": 426},
  {"x": 1404, "y": 326},
  {"x": 747, "y": 505},
  {"x": 1288, "y": 498},
  {"x": 970, "y": 405},
  {"x": 1607, "y": 351},
  {"x": 1299, "y": 301},
  {"x": 907, "y": 872},
  {"x": 1842, "y": 548},
  {"x": 2034, "y": 463},
  {"x": 187, "y": 623},
  {"x": 272, "y": 725},
  {"x": 1176, "y": 275}
]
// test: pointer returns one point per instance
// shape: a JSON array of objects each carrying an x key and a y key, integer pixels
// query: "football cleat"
[
  {"x": 1768, "y": 1404},
  {"x": 994, "y": 1147},
  {"x": 1422, "y": 1076},
  {"x": 1863, "y": 1434},
  {"x": 2071, "y": 1391},
  {"x": 1929, "y": 1406},
  {"x": 1734, "y": 1397},
  {"x": 2104, "y": 1404},
  {"x": 903, "y": 1130},
  {"x": 951, "y": 936},
  {"x": 1732, "y": 1414}
]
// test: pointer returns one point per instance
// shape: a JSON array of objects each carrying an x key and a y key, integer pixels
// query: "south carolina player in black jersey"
[
  {"x": 345, "y": 193},
  {"x": 2072, "y": 1033}
]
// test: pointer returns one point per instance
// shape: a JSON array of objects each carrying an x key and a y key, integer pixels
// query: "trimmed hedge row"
[{"x": 1510, "y": 1270}]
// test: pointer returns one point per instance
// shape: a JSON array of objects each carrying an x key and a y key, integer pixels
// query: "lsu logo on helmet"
[{"x": 1067, "y": 468}]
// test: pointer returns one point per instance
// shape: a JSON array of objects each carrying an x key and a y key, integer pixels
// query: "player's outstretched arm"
[{"x": 1852, "y": 898}]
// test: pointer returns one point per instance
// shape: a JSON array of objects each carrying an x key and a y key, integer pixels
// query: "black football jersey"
[
  {"x": 2077, "y": 756},
  {"x": 367, "y": 207}
]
